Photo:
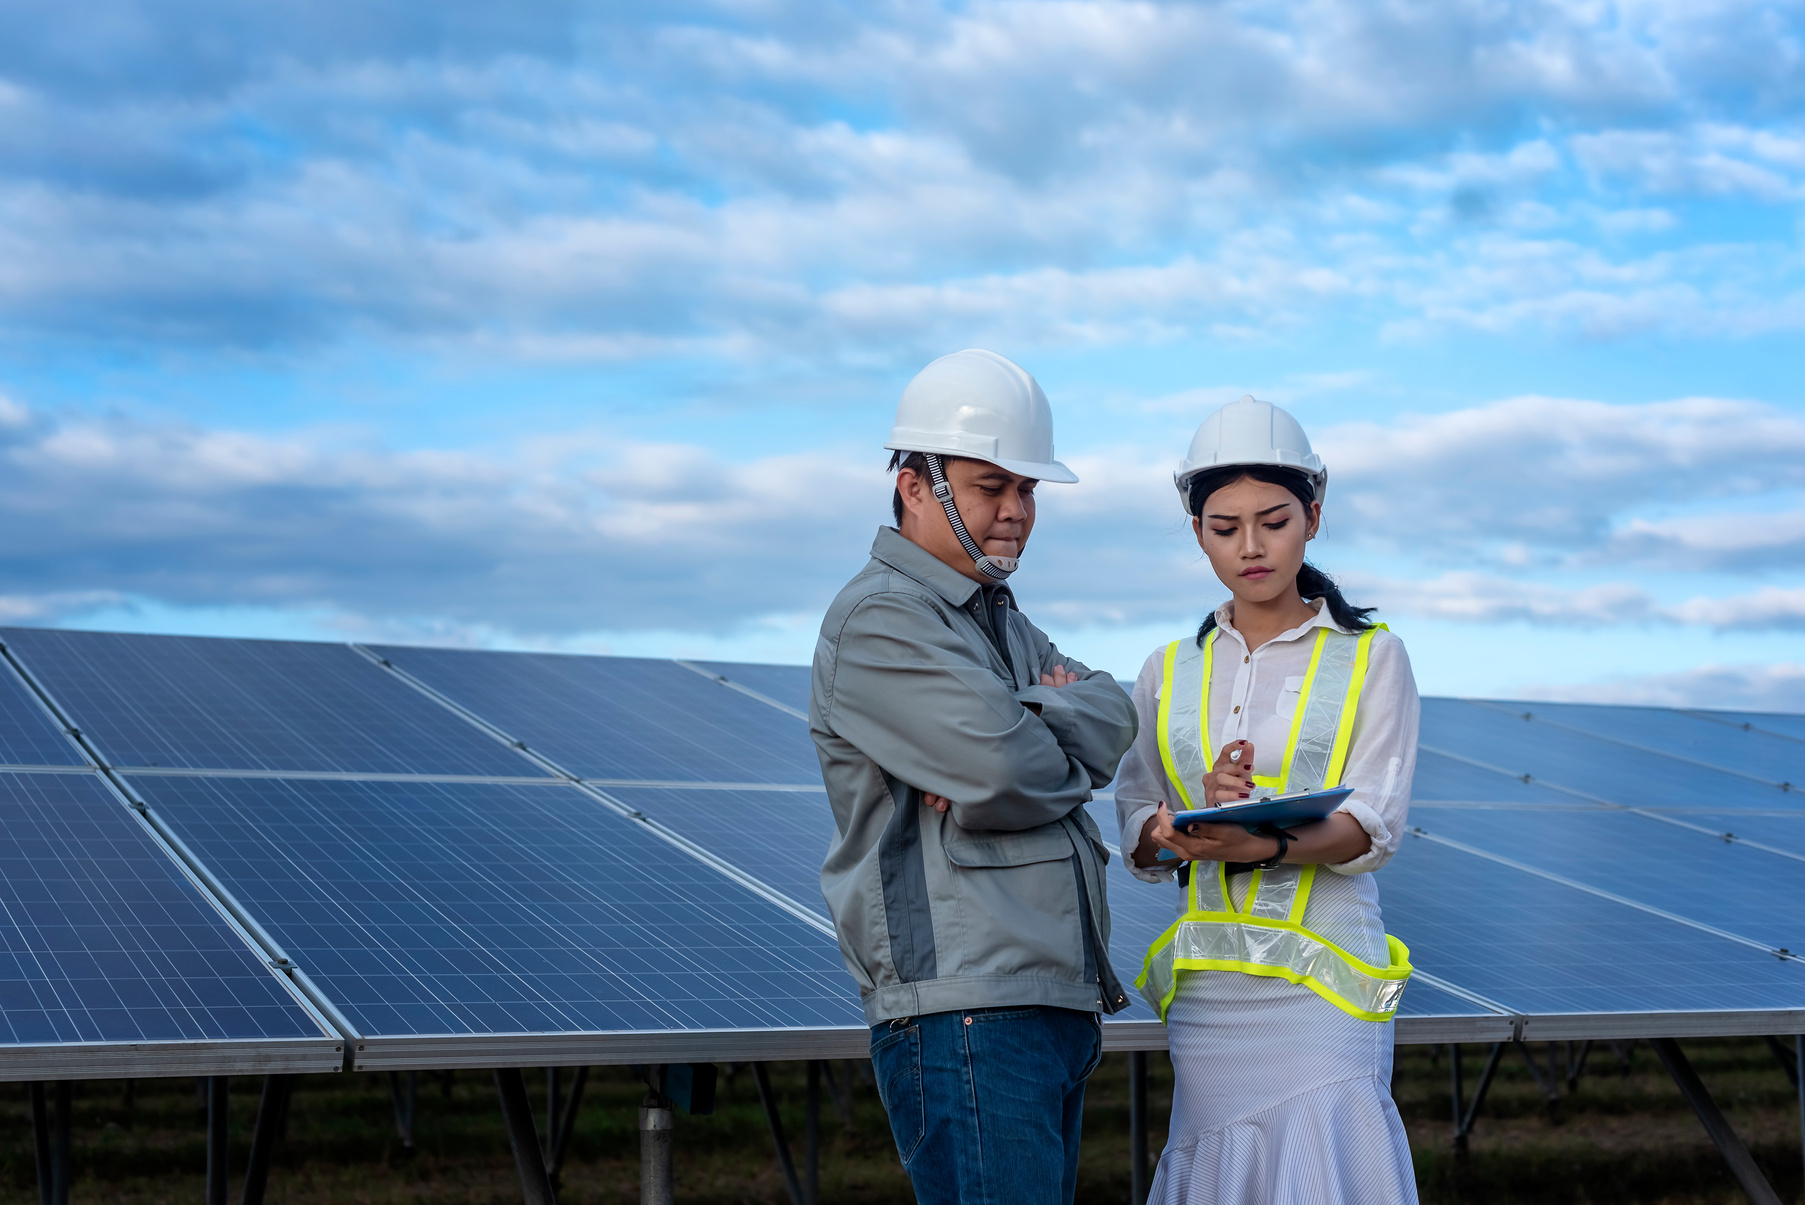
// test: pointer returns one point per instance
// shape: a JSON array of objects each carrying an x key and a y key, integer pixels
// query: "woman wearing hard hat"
[{"x": 1277, "y": 982}]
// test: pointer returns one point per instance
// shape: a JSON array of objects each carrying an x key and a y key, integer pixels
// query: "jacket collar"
[{"x": 907, "y": 557}]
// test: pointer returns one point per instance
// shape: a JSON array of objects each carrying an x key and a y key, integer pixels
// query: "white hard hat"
[
  {"x": 1249, "y": 431},
  {"x": 983, "y": 406}
]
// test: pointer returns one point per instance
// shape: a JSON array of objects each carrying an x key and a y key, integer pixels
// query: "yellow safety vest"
[{"x": 1266, "y": 935}]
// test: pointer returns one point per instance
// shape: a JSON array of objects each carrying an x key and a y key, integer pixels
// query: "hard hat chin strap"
[{"x": 997, "y": 567}]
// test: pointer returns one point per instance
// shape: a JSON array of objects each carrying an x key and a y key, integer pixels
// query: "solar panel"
[
  {"x": 1445, "y": 778},
  {"x": 778, "y": 837},
  {"x": 28, "y": 736},
  {"x": 622, "y": 718},
  {"x": 1790, "y": 727},
  {"x": 788, "y": 684},
  {"x": 1424, "y": 999},
  {"x": 1784, "y": 832},
  {"x": 1540, "y": 947},
  {"x": 104, "y": 939},
  {"x": 456, "y": 908},
  {"x": 196, "y": 703},
  {"x": 1679, "y": 870},
  {"x": 1592, "y": 767},
  {"x": 1678, "y": 733}
]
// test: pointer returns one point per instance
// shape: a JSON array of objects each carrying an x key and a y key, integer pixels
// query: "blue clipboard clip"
[{"x": 1280, "y": 811}]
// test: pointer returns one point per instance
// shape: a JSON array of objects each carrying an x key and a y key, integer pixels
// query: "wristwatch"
[{"x": 1284, "y": 840}]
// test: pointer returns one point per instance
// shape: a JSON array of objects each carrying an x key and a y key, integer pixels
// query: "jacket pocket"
[{"x": 1008, "y": 849}]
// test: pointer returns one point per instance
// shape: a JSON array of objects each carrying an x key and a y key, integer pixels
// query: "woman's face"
[{"x": 1254, "y": 534}]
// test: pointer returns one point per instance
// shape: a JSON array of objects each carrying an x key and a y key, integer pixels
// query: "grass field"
[{"x": 1625, "y": 1135}]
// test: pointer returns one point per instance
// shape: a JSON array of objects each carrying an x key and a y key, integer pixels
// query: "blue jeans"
[{"x": 986, "y": 1104}]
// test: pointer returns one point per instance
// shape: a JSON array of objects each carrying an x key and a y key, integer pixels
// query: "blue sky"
[{"x": 579, "y": 326}]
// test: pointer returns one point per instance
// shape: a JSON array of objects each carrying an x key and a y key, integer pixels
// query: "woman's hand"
[
  {"x": 1200, "y": 842},
  {"x": 1230, "y": 780}
]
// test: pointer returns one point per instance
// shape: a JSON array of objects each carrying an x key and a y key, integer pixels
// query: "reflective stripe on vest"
[{"x": 1266, "y": 935}]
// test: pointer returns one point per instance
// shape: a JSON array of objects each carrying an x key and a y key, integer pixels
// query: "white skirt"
[{"x": 1281, "y": 1099}]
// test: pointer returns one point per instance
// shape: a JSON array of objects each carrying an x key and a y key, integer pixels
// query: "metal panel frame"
[{"x": 152, "y": 1060}]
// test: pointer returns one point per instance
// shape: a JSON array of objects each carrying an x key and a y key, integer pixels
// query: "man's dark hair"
[{"x": 917, "y": 463}]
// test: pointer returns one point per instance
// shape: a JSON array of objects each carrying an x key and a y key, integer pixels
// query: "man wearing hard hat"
[{"x": 959, "y": 746}]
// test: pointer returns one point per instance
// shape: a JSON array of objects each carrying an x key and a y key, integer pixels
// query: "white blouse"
[{"x": 1253, "y": 697}]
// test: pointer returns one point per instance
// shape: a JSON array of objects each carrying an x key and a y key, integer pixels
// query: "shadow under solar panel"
[
  {"x": 28, "y": 736},
  {"x": 104, "y": 940},
  {"x": 203, "y": 703},
  {"x": 486, "y": 909},
  {"x": 621, "y": 718},
  {"x": 1595, "y": 966}
]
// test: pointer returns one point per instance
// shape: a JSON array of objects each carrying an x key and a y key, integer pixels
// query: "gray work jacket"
[{"x": 1000, "y": 900}]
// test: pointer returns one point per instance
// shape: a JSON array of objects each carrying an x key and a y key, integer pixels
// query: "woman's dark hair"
[{"x": 1311, "y": 581}]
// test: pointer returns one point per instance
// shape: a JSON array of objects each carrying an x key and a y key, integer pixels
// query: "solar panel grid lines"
[
  {"x": 1726, "y": 835},
  {"x": 110, "y": 953},
  {"x": 1786, "y": 727},
  {"x": 468, "y": 908},
  {"x": 1575, "y": 963},
  {"x": 1579, "y": 885},
  {"x": 30, "y": 734},
  {"x": 788, "y": 684},
  {"x": 206, "y": 703},
  {"x": 1580, "y": 763},
  {"x": 618, "y": 717},
  {"x": 730, "y": 684},
  {"x": 1678, "y": 869},
  {"x": 1728, "y": 764}
]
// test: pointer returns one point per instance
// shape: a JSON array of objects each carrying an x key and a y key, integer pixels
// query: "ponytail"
[{"x": 1312, "y": 582}]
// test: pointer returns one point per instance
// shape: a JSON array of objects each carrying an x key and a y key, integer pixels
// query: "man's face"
[{"x": 996, "y": 506}]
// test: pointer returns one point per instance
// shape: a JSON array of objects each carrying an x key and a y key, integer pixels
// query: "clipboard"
[{"x": 1280, "y": 811}]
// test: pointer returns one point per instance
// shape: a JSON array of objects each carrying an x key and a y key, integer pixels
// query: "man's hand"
[
  {"x": 1058, "y": 677},
  {"x": 938, "y": 802},
  {"x": 1230, "y": 780}
]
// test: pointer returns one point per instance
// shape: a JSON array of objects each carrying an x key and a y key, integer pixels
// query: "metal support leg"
[
  {"x": 1576, "y": 1063},
  {"x": 1137, "y": 1127},
  {"x": 656, "y": 1130},
  {"x": 217, "y": 1136},
  {"x": 1464, "y": 1118},
  {"x": 1742, "y": 1164},
  {"x": 769, "y": 1100},
  {"x": 404, "y": 1094},
  {"x": 270, "y": 1108},
  {"x": 517, "y": 1111},
  {"x": 552, "y": 1085},
  {"x": 40, "y": 1133},
  {"x": 1545, "y": 1081},
  {"x": 1783, "y": 1055},
  {"x": 1457, "y": 1091},
  {"x": 840, "y": 1088},
  {"x": 1798, "y": 1078},
  {"x": 566, "y": 1123},
  {"x": 812, "y": 1113}
]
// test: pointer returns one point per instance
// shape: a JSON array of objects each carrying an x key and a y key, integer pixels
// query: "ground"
[{"x": 1624, "y": 1135}]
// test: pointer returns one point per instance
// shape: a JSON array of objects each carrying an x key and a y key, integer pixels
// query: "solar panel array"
[{"x": 291, "y": 852}]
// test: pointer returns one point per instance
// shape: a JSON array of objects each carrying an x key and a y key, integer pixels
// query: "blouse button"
[
  {"x": 1246, "y": 659},
  {"x": 1237, "y": 710}
]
